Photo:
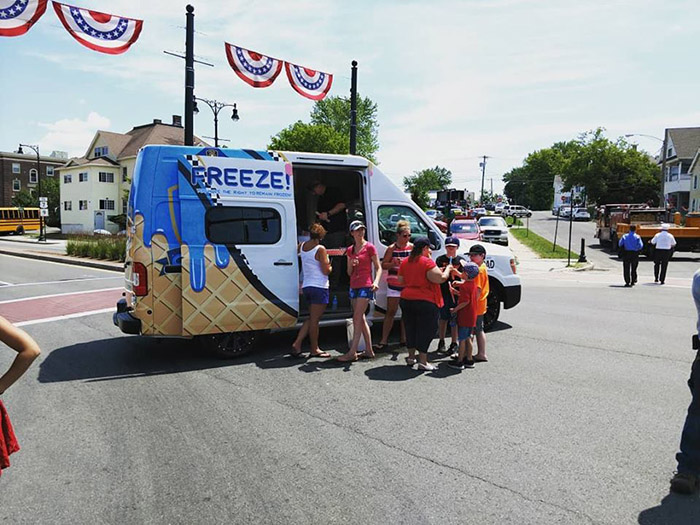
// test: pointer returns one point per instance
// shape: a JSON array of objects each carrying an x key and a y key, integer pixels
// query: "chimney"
[
  {"x": 177, "y": 121},
  {"x": 157, "y": 121}
]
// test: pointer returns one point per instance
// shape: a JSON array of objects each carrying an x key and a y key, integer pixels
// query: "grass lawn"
[{"x": 540, "y": 245}]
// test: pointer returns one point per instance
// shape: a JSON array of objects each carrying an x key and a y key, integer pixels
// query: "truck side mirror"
[{"x": 435, "y": 243}]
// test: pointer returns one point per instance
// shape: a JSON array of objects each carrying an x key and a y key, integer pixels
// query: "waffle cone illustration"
[
  {"x": 229, "y": 302},
  {"x": 141, "y": 253},
  {"x": 167, "y": 292}
]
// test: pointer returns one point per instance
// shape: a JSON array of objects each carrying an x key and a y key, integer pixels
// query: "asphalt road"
[{"x": 575, "y": 419}]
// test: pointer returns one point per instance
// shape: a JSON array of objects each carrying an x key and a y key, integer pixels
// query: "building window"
[
  {"x": 101, "y": 151},
  {"x": 33, "y": 177},
  {"x": 669, "y": 153},
  {"x": 106, "y": 204},
  {"x": 124, "y": 174},
  {"x": 16, "y": 185},
  {"x": 49, "y": 171},
  {"x": 695, "y": 182},
  {"x": 238, "y": 225},
  {"x": 106, "y": 176},
  {"x": 67, "y": 205},
  {"x": 125, "y": 205},
  {"x": 83, "y": 177},
  {"x": 82, "y": 205},
  {"x": 67, "y": 179},
  {"x": 16, "y": 167}
]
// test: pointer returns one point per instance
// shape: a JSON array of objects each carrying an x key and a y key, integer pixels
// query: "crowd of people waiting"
[{"x": 450, "y": 292}]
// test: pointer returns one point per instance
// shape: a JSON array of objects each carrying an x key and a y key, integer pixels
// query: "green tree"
[
  {"x": 25, "y": 199},
  {"x": 51, "y": 188},
  {"x": 532, "y": 184},
  {"x": 335, "y": 112},
  {"x": 423, "y": 181},
  {"x": 313, "y": 138}
]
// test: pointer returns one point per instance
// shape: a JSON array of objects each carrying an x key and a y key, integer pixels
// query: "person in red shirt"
[
  {"x": 27, "y": 351},
  {"x": 362, "y": 256},
  {"x": 420, "y": 301},
  {"x": 466, "y": 315}
]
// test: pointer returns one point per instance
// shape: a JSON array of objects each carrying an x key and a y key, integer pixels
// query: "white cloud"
[{"x": 72, "y": 134}]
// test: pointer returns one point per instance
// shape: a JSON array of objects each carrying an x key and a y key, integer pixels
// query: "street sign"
[
  {"x": 43, "y": 200},
  {"x": 44, "y": 212},
  {"x": 43, "y": 205}
]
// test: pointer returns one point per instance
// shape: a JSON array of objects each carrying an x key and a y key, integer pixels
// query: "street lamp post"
[
  {"x": 216, "y": 107},
  {"x": 662, "y": 196},
  {"x": 42, "y": 231}
]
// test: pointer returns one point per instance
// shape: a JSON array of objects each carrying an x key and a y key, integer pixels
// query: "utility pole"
[
  {"x": 189, "y": 77},
  {"x": 353, "y": 108},
  {"x": 492, "y": 188},
  {"x": 483, "y": 173}
]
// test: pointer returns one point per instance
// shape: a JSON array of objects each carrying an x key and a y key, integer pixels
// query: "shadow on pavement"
[
  {"x": 674, "y": 509},
  {"x": 499, "y": 326}
]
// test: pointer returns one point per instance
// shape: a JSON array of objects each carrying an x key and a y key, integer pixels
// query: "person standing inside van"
[
  {"x": 362, "y": 256},
  {"x": 393, "y": 257},
  {"x": 330, "y": 212},
  {"x": 421, "y": 300},
  {"x": 316, "y": 267}
]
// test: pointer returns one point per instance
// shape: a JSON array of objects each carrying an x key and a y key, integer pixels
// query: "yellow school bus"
[{"x": 18, "y": 220}]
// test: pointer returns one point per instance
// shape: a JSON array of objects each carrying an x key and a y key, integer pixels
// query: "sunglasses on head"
[{"x": 405, "y": 235}]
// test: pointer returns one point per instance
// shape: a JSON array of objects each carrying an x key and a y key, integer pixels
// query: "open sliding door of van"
[{"x": 239, "y": 265}]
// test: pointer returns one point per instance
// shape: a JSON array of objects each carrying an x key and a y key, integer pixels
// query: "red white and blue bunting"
[
  {"x": 253, "y": 68},
  {"x": 18, "y": 16},
  {"x": 307, "y": 82},
  {"x": 111, "y": 34}
]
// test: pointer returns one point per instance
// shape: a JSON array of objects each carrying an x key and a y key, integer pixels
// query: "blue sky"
[{"x": 453, "y": 80}]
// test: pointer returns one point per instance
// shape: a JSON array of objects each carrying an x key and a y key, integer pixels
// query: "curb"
[{"x": 88, "y": 263}]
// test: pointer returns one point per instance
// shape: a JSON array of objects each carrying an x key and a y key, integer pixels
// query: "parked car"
[
  {"x": 465, "y": 228},
  {"x": 565, "y": 212},
  {"x": 432, "y": 214},
  {"x": 513, "y": 210},
  {"x": 490, "y": 206},
  {"x": 581, "y": 214},
  {"x": 479, "y": 212},
  {"x": 498, "y": 208},
  {"x": 494, "y": 229}
]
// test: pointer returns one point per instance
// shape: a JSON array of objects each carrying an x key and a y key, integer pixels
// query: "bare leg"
[
  {"x": 392, "y": 305},
  {"x": 303, "y": 331},
  {"x": 442, "y": 329},
  {"x": 403, "y": 332},
  {"x": 453, "y": 333},
  {"x": 481, "y": 345},
  {"x": 315, "y": 313},
  {"x": 469, "y": 349},
  {"x": 358, "y": 319},
  {"x": 423, "y": 357},
  {"x": 368, "y": 338}
]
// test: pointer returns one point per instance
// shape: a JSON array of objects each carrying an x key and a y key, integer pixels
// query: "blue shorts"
[
  {"x": 464, "y": 333},
  {"x": 314, "y": 295},
  {"x": 446, "y": 315},
  {"x": 361, "y": 293}
]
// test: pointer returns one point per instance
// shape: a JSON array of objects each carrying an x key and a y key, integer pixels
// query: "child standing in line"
[
  {"x": 446, "y": 319},
  {"x": 477, "y": 253},
  {"x": 466, "y": 311}
]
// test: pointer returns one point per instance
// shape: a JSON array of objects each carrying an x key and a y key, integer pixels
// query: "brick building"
[{"x": 19, "y": 172}]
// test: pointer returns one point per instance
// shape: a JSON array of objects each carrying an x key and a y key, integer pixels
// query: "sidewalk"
[
  {"x": 52, "y": 251},
  {"x": 530, "y": 262}
]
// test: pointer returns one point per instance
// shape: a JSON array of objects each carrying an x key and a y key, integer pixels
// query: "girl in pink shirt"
[{"x": 362, "y": 255}]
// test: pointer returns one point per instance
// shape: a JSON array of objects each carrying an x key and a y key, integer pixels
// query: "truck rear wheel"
[{"x": 231, "y": 345}]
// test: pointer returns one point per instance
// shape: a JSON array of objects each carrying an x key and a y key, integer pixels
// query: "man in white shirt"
[{"x": 663, "y": 243}]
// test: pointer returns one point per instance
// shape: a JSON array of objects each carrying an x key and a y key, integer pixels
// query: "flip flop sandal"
[
  {"x": 295, "y": 354},
  {"x": 365, "y": 357},
  {"x": 320, "y": 354},
  {"x": 480, "y": 360},
  {"x": 380, "y": 347}
]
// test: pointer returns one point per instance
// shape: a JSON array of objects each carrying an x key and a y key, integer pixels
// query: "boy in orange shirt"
[
  {"x": 477, "y": 254},
  {"x": 466, "y": 315}
]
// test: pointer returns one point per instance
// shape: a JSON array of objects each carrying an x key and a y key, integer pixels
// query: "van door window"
[
  {"x": 241, "y": 225},
  {"x": 388, "y": 216}
]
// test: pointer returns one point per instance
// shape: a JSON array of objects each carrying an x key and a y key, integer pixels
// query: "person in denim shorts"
[{"x": 362, "y": 256}]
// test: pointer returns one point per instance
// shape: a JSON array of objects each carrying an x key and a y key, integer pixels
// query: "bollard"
[{"x": 582, "y": 257}]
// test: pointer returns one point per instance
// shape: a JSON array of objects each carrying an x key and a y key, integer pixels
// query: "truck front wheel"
[{"x": 493, "y": 305}]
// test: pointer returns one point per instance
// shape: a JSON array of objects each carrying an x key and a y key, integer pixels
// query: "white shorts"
[{"x": 390, "y": 292}]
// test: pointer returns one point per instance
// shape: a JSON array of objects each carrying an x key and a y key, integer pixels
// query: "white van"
[{"x": 213, "y": 235}]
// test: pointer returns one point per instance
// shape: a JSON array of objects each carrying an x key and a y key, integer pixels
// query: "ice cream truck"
[{"x": 212, "y": 238}]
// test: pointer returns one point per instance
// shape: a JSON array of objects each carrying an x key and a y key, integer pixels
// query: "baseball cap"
[
  {"x": 664, "y": 226},
  {"x": 477, "y": 249},
  {"x": 470, "y": 269},
  {"x": 421, "y": 242},
  {"x": 452, "y": 241},
  {"x": 356, "y": 225}
]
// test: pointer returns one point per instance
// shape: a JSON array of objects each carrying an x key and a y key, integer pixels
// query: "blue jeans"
[{"x": 689, "y": 456}]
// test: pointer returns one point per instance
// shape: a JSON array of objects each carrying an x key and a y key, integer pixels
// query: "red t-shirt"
[
  {"x": 362, "y": 274},
  {"x": 417, "y": 287},
  {"x": 468, "y": 293}
]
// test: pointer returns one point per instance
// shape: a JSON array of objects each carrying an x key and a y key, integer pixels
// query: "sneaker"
[
  {"x": 453, "y": 348},
  {"x": 426, "y": 367},
  {"x": 469, "y": 364},
  {"x": 683, "y": 483},
  {"x": 441, "y": 346},
  {"x": 454, "y": 356},
  {"x": 457, "y": 365}
]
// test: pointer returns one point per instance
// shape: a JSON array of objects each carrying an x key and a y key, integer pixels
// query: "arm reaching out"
[{"x": 26, "y": 348}]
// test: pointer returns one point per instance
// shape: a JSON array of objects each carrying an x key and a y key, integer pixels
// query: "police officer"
[
  {"x": 687, "y": 477},
  {"x": 632, "y": 244}
]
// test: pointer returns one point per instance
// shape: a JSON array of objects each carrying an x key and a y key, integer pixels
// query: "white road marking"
[
  {"x": 63, "y": 281},
  {"x": 62, "y": 317},
  {"x": 59, "y": 295},
  {"x": 3, "y": 283}
]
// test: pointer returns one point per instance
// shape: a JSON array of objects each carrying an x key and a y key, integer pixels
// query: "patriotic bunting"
[
  {"x": 101, "y": 32},
  {"x": 307, "y": 82},
  {"x": 255, "y": 69},
  {"x": 18, "y": 16}
]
